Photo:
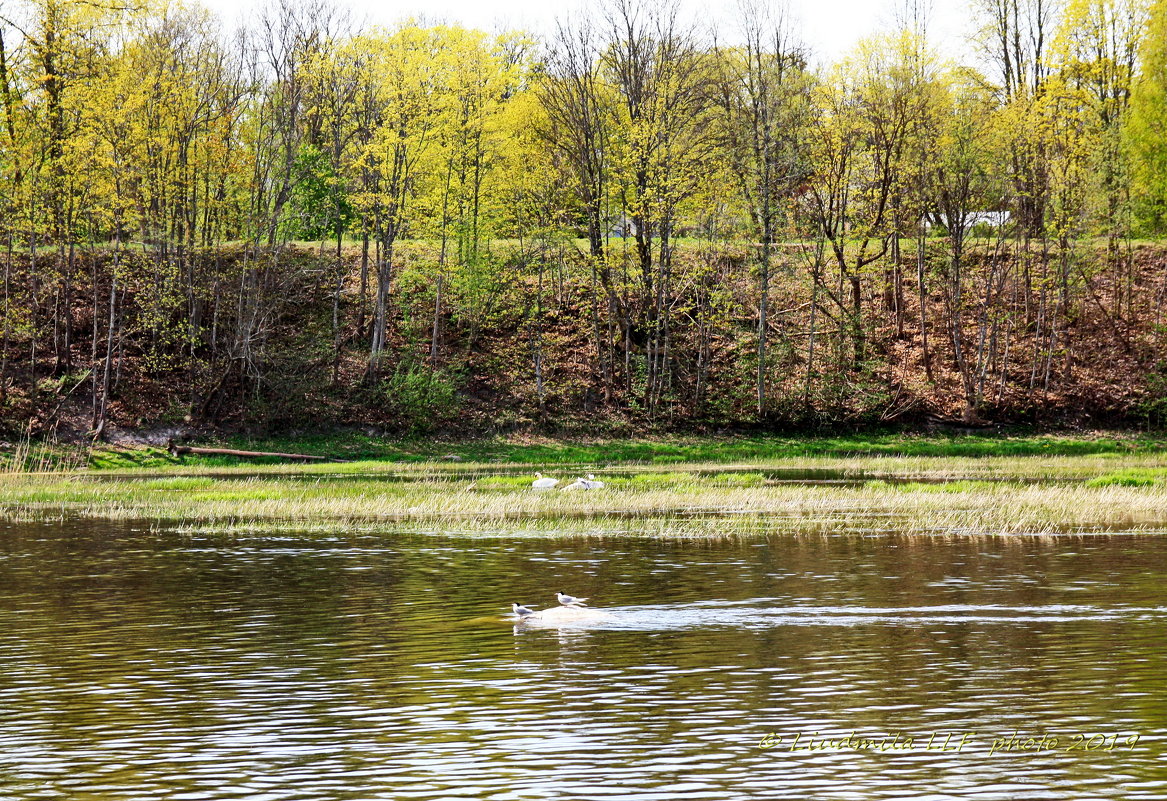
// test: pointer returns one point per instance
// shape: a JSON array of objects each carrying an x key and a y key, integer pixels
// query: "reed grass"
[
  {"x": 41, "y": 456},
  {"x": 672, "y": 503}
]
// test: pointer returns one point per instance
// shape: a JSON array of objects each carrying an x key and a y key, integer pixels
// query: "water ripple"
[{"x": 149, "y": 666}]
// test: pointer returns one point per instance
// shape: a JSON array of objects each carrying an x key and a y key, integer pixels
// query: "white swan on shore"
[
  {"x": 543, "y": 483},
  {"x": 588, "y": 483}
]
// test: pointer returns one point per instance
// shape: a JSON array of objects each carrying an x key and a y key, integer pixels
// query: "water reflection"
[{"x": 136, "y": 664}]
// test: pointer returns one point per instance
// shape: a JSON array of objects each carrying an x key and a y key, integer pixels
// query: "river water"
[{"x": 138, "y": 664}]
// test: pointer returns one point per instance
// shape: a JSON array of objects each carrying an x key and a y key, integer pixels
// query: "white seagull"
[
  {"x": 522, "y": 611},
  {"x": 568, "y": 600},
  {"x": 543, "y": 483}
]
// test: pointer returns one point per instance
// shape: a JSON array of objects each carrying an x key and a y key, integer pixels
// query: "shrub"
[
  {"x": 1153, "y": 406},
  {"x": 420, "y": 398}
]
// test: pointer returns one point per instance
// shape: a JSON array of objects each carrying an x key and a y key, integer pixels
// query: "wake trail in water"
[{"x": 762, "y": 614}]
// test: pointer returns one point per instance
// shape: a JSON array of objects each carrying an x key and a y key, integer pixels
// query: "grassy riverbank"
[
  {"x": 660, "y": 450},
  {"x": 881, "y": 484}
]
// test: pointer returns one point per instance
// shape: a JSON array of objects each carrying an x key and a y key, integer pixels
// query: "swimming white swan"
[
  {"x": 568, "y": 600},
  {"x": 543, "y": 483}
]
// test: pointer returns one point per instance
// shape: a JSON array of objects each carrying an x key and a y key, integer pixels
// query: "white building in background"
[
  {"x": 994, "y": 219},
  {"x": 623, "y": 227}
]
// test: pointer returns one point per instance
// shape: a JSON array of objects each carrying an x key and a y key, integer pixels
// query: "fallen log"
[{"x": 183, "y": 450}]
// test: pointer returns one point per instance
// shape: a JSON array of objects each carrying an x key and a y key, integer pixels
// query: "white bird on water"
[
  {"x": 588, "y": 483},
  {"x": 522, "y": 611},
  {"x": 543, "y": 483},
  {"x": 568, "y": 600}
]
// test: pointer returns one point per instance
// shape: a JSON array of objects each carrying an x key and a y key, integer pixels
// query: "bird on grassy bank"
[
  {"x": 543, "y": 483},
  {"x": 588, "y": 483},
  {"x": 569, "y": 600},
  {"x": 522, "y": 611}
]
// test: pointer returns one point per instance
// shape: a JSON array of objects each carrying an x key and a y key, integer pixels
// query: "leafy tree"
[
  {"x": 1146, "y": 125},
  {"x": 319, "y": 204},
  {"x": 764, "y": 92}
]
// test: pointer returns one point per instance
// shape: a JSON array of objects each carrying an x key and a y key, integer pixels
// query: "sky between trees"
[{"x": 829, "y": 27}]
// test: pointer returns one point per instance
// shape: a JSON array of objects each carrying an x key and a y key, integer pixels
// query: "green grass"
[
  {"x": 1114, "y": 490},
  {"x": 668, "y": 487},
  {"x": 106, "y": 458},
  {"x": 1131, "y": 477},
  {"x": 186, "y": 483},
  {"x": 960, "y": 485},
  {"x": 650, "y": 451}
]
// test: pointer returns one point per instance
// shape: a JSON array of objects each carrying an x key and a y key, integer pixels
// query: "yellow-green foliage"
[
  {"x": 1146, "y": 126},
  {"x": 165, "y": 168}
]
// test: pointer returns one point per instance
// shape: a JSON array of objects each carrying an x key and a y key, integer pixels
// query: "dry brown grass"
[{"x": 687, "y": 505}]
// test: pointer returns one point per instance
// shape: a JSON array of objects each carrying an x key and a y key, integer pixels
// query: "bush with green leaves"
[
  {"x": 1153, "y": 406},
  {"x": 421, "y": 398}
]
